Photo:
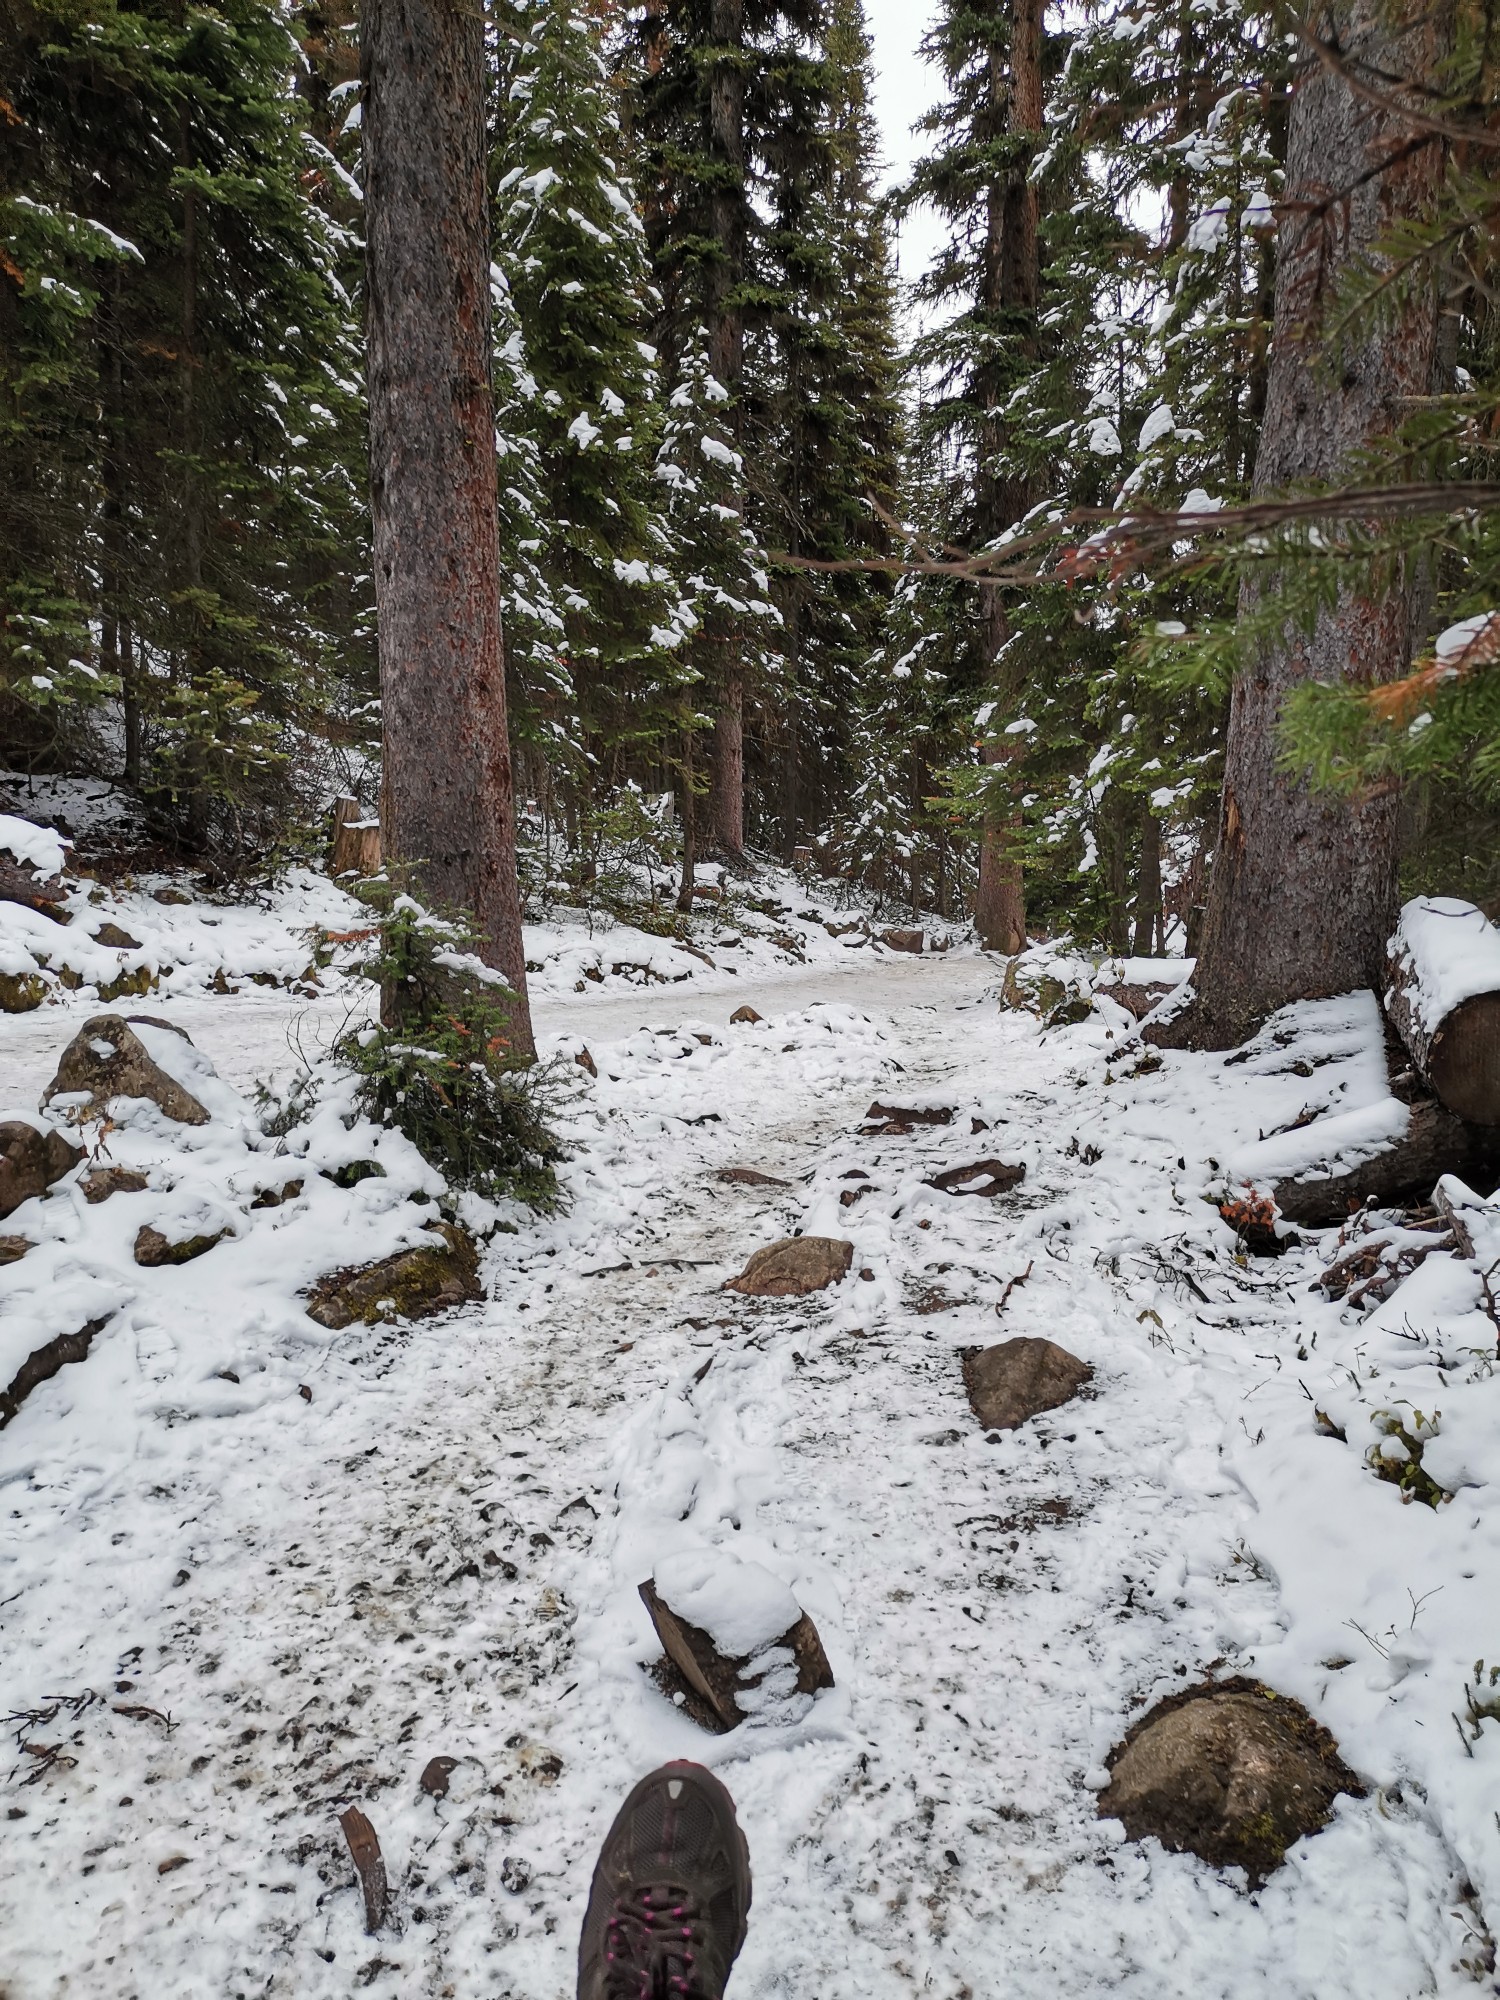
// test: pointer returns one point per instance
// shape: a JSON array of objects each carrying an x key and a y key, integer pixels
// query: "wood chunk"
[
  {"x": 355, "y": 847},
  {"x": 1443, "y": 999},
  {"x": 1018, "y": 1379},
  {"x": 369, "y": 1865},
  {"x": 986, "y": 1178},
  {"x": 1436, "y": 1142},
  {"x": 43, "y": 1363},
  {"x": 795, "y": 1266},
  {"x": 719, "y": 1682},
  {"x": 896, "y": 1114},
  {"x": 1229, "y": 1771},
  {"x": 435, "y": 1776}
]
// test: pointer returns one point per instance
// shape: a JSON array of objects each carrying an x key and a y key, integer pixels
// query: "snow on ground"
[{"x": 436, "y": 1550}]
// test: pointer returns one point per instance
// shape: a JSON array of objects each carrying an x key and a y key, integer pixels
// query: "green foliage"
[{"x": 445, "y": 1075}]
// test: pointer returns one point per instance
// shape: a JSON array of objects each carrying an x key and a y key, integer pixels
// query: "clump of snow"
[
  {"x": 740, "y": 1605},
  {"x": 1450, "y": 952},
  {"x": 46, "y": 851}
]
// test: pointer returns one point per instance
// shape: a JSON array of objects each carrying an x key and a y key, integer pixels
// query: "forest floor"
[{"x": 251, "y": 1571}]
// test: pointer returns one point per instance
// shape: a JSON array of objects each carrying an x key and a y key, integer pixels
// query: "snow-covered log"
[
  {"x": 1443, "y": 999},
  {"x": 1436, "y": 1142}
]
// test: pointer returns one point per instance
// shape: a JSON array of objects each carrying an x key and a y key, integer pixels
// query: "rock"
[
  {"x": 107, "y": 1059},
  {"x": 1019, "y": 1379},
  {"x": 725, "y": 1685},
  {"x": 30, "y": 1161},
  {"x": 585, "y": 1061},
  {"x": 170, "y": 897},
  {"x": 894, "y": 1121},
  {"x": 22, "y": 992},
  {"x": 748, "y": 1177},
  {"x": 20, "y": 883},
  {"x": 411, "y": 1285},
  {"x": 117, "y": 940},
  {"x": 984, "y": 1177},
  {"x": 153, "y": 1250},
  {"x": 515, "y": 1874},
  {"x": 99, "y": 1184},
  {"x": 743, "y": 1014},
  {"x": 1137, "y": 999},
  {"x": 794, "y": 1267},
  {"x": 436, "y": 1773},
  {"x": 42, "y": 1364},
  {"x": 1231, "y": 1772},
  {"x": 13, "y": 1248},
  {"x": 274, "y": 1197},
  {"x": 904, "y": 940},
  {"x": 129, "y": 985}
]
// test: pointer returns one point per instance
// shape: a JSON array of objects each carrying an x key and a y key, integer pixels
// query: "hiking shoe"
[{"x": 671, "y": 1892}]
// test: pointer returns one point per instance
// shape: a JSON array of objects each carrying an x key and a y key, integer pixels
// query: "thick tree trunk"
[
  {"x": 1302, "y": 895},
  {"x": 726, "y": 118},
  {"x": 447, "y": 804},
  {"x": 1011, "y": 283}
]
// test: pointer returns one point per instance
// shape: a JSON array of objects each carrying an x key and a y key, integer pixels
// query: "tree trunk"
[
  {"x": 1302, "y": 895},
  {"x": 1148, "y": 889},
  {"x": 686, "y": 885},
  {"x": 1443, "y": 999},
  {"x": 447, "y": 803},
  {"x": 726, "y": 335},
  {"x": 1011, "y": 285}
]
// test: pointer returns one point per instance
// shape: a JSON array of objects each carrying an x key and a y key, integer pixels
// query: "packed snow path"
[{"x": 437, "y": 1554}]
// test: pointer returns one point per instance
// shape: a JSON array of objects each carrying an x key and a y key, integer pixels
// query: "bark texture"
[
  {"x": 447, "y": 805},
  {"x": 1011, "y": 288},
  {"x": 1303, "y": 889},
  {"x": 726, "y": 336}
]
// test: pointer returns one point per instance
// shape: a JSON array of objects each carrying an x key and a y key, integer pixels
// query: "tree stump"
[{"x": 355, "y": 848}]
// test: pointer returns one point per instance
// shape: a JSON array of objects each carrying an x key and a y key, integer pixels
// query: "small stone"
[
  {"x": 13, "y": 1248},
  {"x": 1231, "y": 1772},
  {"x": 304, "y": 1392},
  {"x": 585, "y": 1061},
  {"x": 30, "y": 1161},
  {"x": 411, "y": 1285},
  {"x": 101, "y": 1182},
  {"x": 986, "y": 1178},
  {"x": 1019, "y": 1379},
  {"x": 904, "y": 940},
  {"x": 170, "y": 897},
  {"x": 515, "y": 1875},
  {"x": 153, "y": 1250},
  {"x": 21, "y": 992},
  {"x": 107, "y": 1059},
  {"x": 742, "y": 1014},
  {"x": 172, "y": 1863},
  {"x": 274, "y": 1197},
  {"x": 867, "y": 1276},
  {"x": 748, "y": 1177},
  {"x": 435, "y": 1776},
  {"x": 117, "y": 940},
  {"x": 795, "y": 1266}
]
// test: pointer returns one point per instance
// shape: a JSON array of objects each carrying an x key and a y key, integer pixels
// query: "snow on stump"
[
  {"x": 1231, "y": 1772},
  {"x": 30, "y": 1161},
  {"x": 1019, "y": 1379},
  {"x": 1443, "y": 999},
  {"x": 108, "y": 1059},
  {"x": 914, "y": 941},
  {"x": 740, "y": 1640},
  {"x": 794, "y": 1267},
  {"x": 413, "y": 1284},
  {"x": 355, "y": 848}
]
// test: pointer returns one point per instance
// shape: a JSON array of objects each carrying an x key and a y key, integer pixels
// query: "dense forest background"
[{"x": 740, "y": 509}]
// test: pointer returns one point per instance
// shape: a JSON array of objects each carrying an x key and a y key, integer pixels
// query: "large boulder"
[
  {"x": 1229, "y": 1771},
  {"x": 1019, "y": 1379},
  {"x": 411, "y": 1285},
  {"x": 792, "y": 1268},
  {"x": 30, "y": 1161},
  {"x": 108, "y": 1059},
  {"x": 735, "y": 1634}
]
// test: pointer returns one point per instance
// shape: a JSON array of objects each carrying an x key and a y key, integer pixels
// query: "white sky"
[{"x": 905, "y": 87}]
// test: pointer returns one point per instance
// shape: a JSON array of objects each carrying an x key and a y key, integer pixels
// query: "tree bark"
[
  {"x": 687, "y": 785},
  {"x": 1302, "y": 895},
  {"x": 1148, "y": 889},
  {"x": 1011, "y": 285},
  {"x": 447, "y": 802},
  {"x": 1443, "y": 999},
  {"x": 726, "y": 335}
]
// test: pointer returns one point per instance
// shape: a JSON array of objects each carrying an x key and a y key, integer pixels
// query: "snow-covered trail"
[{"x": 437, "y": 1555}]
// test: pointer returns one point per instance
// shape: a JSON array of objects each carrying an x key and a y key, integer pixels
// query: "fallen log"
[
  {"x": 1436, "y": 1142},
  {"x": 1443, "y": 999}
]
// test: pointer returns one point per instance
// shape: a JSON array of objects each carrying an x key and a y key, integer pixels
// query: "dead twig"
[{"x": 1011, "y": 1285}]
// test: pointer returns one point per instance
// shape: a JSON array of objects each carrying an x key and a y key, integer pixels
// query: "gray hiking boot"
[{"x": 671, "y": 1892}]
